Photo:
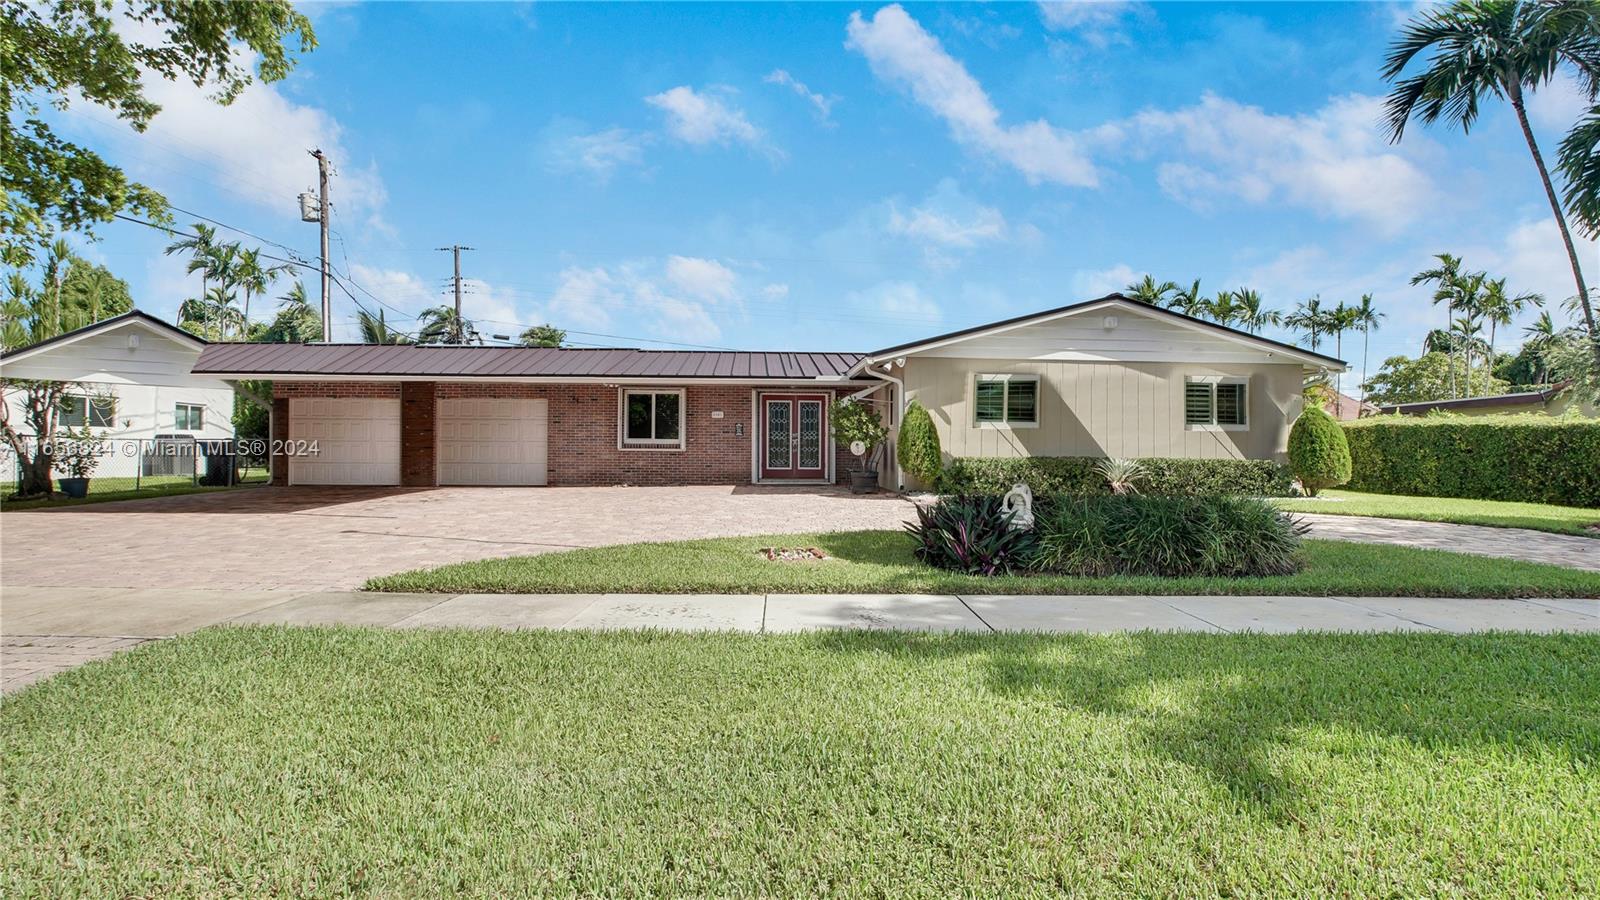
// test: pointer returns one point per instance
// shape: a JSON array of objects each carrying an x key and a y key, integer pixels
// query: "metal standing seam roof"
[{"x": 377, "y": 361}]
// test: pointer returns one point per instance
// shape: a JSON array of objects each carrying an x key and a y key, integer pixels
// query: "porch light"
[
  {"x": 133, "y": 342},
  {"x": 1110, "y": 322}
]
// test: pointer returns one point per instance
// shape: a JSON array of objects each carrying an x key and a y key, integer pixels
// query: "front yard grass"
[
  {"x": 335, "y": 762},
  {"x": 882, "y": 562},
  {"x": 1496, "y": 513}
]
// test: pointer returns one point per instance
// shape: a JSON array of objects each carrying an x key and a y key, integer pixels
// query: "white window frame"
[
  {"x": 626, "y": 443},
  {"x": 89, "y": 402},
  {"x": 194, "y": 407},
  {"x": 1005, "y": 399},
  {"x": 1213, "y": 381}
]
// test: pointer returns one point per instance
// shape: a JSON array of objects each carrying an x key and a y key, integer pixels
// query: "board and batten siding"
[{"x": 1119, "y": 409}]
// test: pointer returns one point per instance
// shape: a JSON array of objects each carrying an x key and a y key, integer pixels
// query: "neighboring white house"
[{"x": 135, "y": 371}]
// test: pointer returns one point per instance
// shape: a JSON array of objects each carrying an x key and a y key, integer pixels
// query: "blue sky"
[{"x": 843, "y": 176}]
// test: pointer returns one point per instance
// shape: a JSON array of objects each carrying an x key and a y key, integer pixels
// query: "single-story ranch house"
[{"x": 1107, "y": 377}]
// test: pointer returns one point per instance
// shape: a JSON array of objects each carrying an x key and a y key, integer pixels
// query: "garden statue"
[{"x": 1018, "y": 505}]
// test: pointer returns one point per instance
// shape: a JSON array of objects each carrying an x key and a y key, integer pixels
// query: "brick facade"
[{"x": 583, "y": 430}]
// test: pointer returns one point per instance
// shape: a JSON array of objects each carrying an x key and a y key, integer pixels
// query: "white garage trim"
[
  {"x": 346, "y": 440},
  {"x": 486, "y": 440}
]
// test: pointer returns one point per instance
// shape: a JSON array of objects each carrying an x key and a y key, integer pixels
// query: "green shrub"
[
  {"x": 1529, "y": 458},
  {"x": 853, "y": 420},
  {"x": 1072, "y": 475},
  {"x": 1318, "y": 453},
  {"x": 1167, "y": 536},
  {"x": 971, "y": 534},
  {"x": 918, "y": 446}
]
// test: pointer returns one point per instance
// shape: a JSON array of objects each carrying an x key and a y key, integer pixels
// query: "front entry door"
[{"x": 794, "y": 436}]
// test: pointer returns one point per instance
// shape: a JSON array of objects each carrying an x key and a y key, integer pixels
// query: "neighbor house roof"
[
  {"x": 1521, "y": 398},
  {"x": 1114, "y": 299},
  {"x": 455, "y": 362},
  {"x": 132, "y": 316}
]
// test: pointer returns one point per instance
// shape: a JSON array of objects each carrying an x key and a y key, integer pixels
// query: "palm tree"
[
  {"x": 546, "y": 335},
  {"x": 1540, "y": 337},
  {"x": 1499, "y": 307},
  {"x": 1579, "y": 162},
  {"x": 1251, "y": 312},
  {"x": 374, "y": 330},
  {"x": 1340, "y": 319},
  {"x": 1446, "y": 278},
  {"x": 253, "y": 278},
  {"x": 1147, "y": 291},
  {"x": 199, "y": 248},
  {"x": 1309, "y": 317},
  {"x": 1366, "y": 319},
  {"x": 1468, "y": 330},
  {"x": 1496, "y": 48},
  {"x": 442, "y": 325},
  {"x": 1189, "y": 300}
]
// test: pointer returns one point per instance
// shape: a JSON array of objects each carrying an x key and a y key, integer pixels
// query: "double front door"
[{"x": 794, "y": 436}]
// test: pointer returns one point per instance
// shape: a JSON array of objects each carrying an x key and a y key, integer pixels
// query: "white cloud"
[
  {"x": 1558, "y": 105},
  {"x": 706, "y": 118},
  {"x": 822, "y": 105},
  {"x": 680, "y": 298},
  {"x": 492, "y": 309},
  {"x": 1532, "y": 257},
  {"x": 896, "y": 300},
  {"x": 705, "y": 279},
  {"x": 599, "y": 153},
  {"x": 1334, "y": 161},
  {"x": 775, "y": 291},
  {"x": 1096, "y": 21},
  {"x": 901, "y": 52},
  {"x": 1089, "y": 285},
  {"x": 948, "y": 218}
]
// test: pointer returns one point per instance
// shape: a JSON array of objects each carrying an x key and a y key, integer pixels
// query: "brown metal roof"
[{"x": 378, "y": 361}]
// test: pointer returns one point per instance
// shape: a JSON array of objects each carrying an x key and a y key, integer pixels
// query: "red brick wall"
[
  {"x": 417, "y": 440},
  {"x": 582, "y": 421},
  {"x": 279, "y": 436}
]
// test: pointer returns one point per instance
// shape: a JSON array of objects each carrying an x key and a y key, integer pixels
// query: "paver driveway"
[{"x": 336, "y": 538}]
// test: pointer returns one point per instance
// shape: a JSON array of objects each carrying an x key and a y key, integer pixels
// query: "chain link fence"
[{"x": 147, "y": 465}]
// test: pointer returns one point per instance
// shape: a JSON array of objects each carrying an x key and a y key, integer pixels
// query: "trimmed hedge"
[
  {"x": 1063, "y": 475},
  {"x": 1529, "y": 458},
  {"x": 918, "y": 446},
  {"x": 1319, "y": 455}
]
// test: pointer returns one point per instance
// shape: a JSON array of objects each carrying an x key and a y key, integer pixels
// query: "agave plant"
[{"x": 1121, "y": 475}]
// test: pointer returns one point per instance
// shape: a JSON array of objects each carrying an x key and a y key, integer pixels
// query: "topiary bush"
[
  {"x": 851, "y": 421},
  {"x": 1167, "y": 536},
  {"x": 1528, "y": 458},
  {"x": 1075, "y": 475},
  {"x": 1318, "y": 454},
  {"x": 972, "y": 535},
  {"x": 918, "y": 446}
]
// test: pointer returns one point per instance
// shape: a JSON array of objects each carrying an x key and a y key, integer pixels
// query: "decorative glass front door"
[{"x": 794, "y": 436}]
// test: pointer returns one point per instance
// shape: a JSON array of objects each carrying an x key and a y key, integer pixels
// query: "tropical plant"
[
  {"x": 253, "y": 278},
  {"x": 1189, "y": 301},
  {"x": 1319, "y": 455},
  {"x": 1252, "y": 313},
  {"x": 1579, "y": 162},
  {"x": 1366, "y": 319},
  {"x": 1497, "y": 48},
  {"x": 1498, "y": 306},
  {"x": 972, "y": 535},
  {"x": 77, "y": 452},
  {"x": 1223, "y": 308},
  {"x": 542, "y": 336},
  {"x": 1228, "y": 537},
  {"x": 89, "y": 293},
  {"x": 917, "y": 447},
  {"x": 1402, "y": 379},
  {"x": 199, "y": 246},
  {"x": 1122, "y": 475},
  {"x": 1446, "y": 279},
  {"x": 1310, "y": 319},
  {"x": 297, "y": 322},
  {"x": 1538, "y": 338},
  {"x": 374, "y": 330},
  {"x": 1340, "y": 319},
  {"x": 1146, "y": 290},
  {"x": 443, "y": 325},
  {"x": 854, "y": 420}
]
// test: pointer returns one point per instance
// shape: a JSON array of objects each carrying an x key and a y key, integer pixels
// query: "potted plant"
[
  {"x": 858, "y": 428},
  {"x": 78, "y": 455}
]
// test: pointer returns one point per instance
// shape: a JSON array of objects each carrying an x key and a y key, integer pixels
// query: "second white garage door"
[
  {"x": 492, "y": 441},
  {"x": 356, "y": 441}
]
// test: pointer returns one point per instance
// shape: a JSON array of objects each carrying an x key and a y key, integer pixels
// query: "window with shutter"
[
  {"x": 1006, "y": 400},
  {"x": 1197, "y": 403}
]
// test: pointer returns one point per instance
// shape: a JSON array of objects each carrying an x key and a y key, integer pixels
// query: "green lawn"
[
  {"x": 1498, "y": 513},
  {"x": 294, "y": 762},
  {"x": 881, "y": 562},
  {"x": 112, "y": 494}
]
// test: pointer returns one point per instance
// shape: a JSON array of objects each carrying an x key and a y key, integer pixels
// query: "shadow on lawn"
[{"x": 1222, "y": 704}]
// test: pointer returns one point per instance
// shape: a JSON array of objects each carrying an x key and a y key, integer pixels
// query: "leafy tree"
[
  {"x": 917, "y": 448},
  {"x": 542, "y": 336},
  {"x": 1497, "y": 48},
  {"x": 59, "y": 52},
  {"x": 1146, "y": 290},
  {"x": 89, "y": 293},
  {"x": 1319, "y": 454},
  {"x": 374, "y": 330},
  {"x": 441, "y": 325},
  {"x": 1402, "y": 379},
  {"x": 857, "y": 420}
]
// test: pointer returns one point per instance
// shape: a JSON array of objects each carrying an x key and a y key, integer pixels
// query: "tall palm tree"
[
  {"x": 199, "y": 248},
  {"x": 1189, "y": 300},
  {"x": 1252, "y": 312},
  {"x": 441, "y": 325},
  {"x": 1446, "y": 279},
  {"x": 1221, "y": 309},
  {"x": 1499, "y": 307},
  {"x": 253, "y": 278},
  {"x": 374, "y": 330},
  {"x": 1366, "y": 319},
  {"x": 1505, "y": 49},
  {"x": 1468, "y": 332},
  {"x": 1540, "y": 337},
  {"x": 1340, "y": 319},
  {"x": 1310, "y": 318},
  {"x": 1146, "y": 290}
]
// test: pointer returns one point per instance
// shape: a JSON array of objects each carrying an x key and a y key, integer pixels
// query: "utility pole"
[
  {"x": 455, "y": 252},
  {"x": 322, "y": 225}
]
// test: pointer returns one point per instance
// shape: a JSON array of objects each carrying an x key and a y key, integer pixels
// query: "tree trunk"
[
  {"x": 1366, "y": 339},
  {"x": 244, "y": 327},
  {"x": 1450, "y": 334},
  {"x": 1561, "y": 220}
]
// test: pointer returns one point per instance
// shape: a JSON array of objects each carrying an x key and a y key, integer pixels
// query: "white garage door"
[
  {"x": 492, "y": 441},
  {"x": 357, "y": 441}
]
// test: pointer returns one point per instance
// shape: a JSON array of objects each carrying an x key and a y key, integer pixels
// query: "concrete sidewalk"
[{"x": 48, "y": 630}]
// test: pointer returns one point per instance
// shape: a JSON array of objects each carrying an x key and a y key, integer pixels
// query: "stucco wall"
[{"x": 1106, "y": 409}]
